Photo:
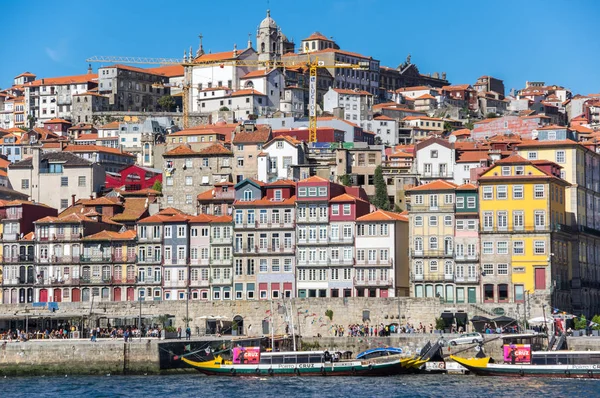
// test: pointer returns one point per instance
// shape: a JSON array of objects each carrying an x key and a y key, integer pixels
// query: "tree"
[
  {"x": 491, "y": 115},
  {"x": 224, "y": 109},
  {"x": 157, "y": 186},
  {"x": 380, "y": 200},
  {"x": 580, "y": 323},
  {"x": 447, "y": 126},
  {"x": 345, "y": 180},
  {"x": 469, "y": 125},
  {"x": 166, "y": 103}
]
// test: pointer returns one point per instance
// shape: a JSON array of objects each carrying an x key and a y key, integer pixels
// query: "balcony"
[
  {"x": 314, "y": 263},
  {"x": 437, "y": 175},
  {"x": 23, "y": 258},
  {"x": 373, "y": 282},
  {"x": 467, "y": 279},
  {"x": 467, "y": 257},
  {"x": 527, "y": 228},
  {"x": 148, "y": 281},
  {"x": 200, "y": 283},
  {"x": 175, "y": 261},
  {"x": 246, "y": 250},
  {"x": 6, "y": 236},
  {"x": 431, "y": 277},
  {"x": 221, "y": 281},
  {"x": 341, "y": 262},
  {"x": 96, "y": 280},
  {"x": 221, "y": 241},
  {"x": 95, "y": 259},
  {"x": 342, "y": 240},
  {"x": 150, "y": 260},
  {"x": 199, "y": 261},
  {"x": 431, "y": 254},
  {"x": 426, "y": 208},
  {"x": 322, "y": 241},
  {"x": 175, "y": 284},
  {"x": 221, "y": 261},
  {"x": 380, "y": 263},
  {"x": 322, "y": 220}
]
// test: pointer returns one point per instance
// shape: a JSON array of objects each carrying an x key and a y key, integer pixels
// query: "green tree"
[
  {"x": 580, "y": 323},
  {"x": 491, "y": 115},
  {"x": 596, "y": 320},
  {"x": 447, "y": 126},
  {"x": 380, "y": 200},
  {"x": 157, "y": 186},
  {"x": 224, "y": 109},
  {"x": 345, "y": 180},
  {"x": 166, "y": 103},
  {"x": 470, "y": 125}
]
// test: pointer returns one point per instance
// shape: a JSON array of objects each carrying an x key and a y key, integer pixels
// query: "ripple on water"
[{"x": 193, "y": 385}]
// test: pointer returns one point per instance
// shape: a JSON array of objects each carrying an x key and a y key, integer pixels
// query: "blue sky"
[{"x": 554, "y": 40}]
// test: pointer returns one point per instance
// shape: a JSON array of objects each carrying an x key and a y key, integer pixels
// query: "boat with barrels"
[{"x": 250, "y": 361}]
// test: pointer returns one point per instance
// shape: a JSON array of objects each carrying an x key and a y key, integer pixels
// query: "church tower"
[{"x": 267, "y": 39}]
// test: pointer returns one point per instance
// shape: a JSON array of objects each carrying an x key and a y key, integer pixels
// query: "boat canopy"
[{"x": 389, "y": 350}]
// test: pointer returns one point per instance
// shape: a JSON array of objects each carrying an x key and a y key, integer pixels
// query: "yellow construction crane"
[{"x": 313, "y": 64}]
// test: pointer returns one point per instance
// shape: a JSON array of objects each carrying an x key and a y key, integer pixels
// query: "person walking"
[{"x": 188, "y": 333}]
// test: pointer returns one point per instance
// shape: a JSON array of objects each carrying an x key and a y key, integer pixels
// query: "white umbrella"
[{"x": 541, "y": 319}]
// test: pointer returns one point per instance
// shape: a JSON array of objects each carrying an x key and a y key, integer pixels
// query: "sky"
[{"x": 555, "y": 41}]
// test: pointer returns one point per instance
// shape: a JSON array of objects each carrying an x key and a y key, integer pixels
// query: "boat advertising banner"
[
  {"x": 246, "y": 354},
  {"x": 522, "y": 353}
]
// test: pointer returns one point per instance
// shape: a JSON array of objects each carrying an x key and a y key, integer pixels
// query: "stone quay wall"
[
  {"x": 307, "y": 316},
  {"x": 72, "y": 357}
]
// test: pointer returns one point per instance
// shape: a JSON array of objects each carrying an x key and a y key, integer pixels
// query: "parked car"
[{"x": 467, "y": 338}]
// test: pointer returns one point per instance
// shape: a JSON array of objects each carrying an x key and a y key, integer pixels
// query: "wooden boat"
[
  {"x": 250, "y": 361},
  {"x": 379, "y": 352},
  {"x": 576, "y": 364}
]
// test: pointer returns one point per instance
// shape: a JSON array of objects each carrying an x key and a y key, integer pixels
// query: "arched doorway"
[
  {"x": 57, "y": 295},
  {"x": 237, "y": 328},
  {"x": 117, "y": 294},
  {"x": 76, "y": 295},
  {"x": 130, "y": 294},
  {"x": 85, "y": 294},
  {"x": 43, "y": 295}
]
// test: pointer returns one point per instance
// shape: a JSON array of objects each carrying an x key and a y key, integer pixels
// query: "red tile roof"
[
  {"x": 110, "y": 126},
  {"x": 215, "y": 149},
  {"x": 180, "y": 151},
  {"x": 314, "y": 179},
  {"x": 382, "y": 215},
  {"x": 266, "y": 202},
  {"x": 261, "y": 135},
  {"x": 351, "y": 92},
  {"x": 97, "y": 148},
  {"x": 56, "y": 120},
  {"x": 112, "y": 236},
  {"x": 438, "y": 185},
  {"x": 168, "y": 71},
  {"x": 473, "y": 156},
  {"x": 57, "y": 81},
  {"x": 317, "y": 36},
  {"x": 245, "y": 92}
]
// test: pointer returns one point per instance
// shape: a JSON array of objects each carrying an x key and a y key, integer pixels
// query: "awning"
[
  {"x": 503, "y": 319},
  {"x": 541, "y": 319},
  {"x": 461, "y": 317},
  {"x": 479, "y": 318}
]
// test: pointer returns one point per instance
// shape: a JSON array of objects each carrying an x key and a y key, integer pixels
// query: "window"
[
  {"x": 448, "y": 221},
  {"x": 433, "y": 266},
  {"x": 64, "y": 203},
  {"x": 471, "y": 202},
  {"x": 240, "y": 161},
  {"x": 418, "y": 221},
  {"x": 517, "y": 191},
  {"x": 518, "y": 247},
  {"x": 518, "y": 220},
  {"x": 418, "y": 268},
  {"x": 488, "y": 220},
  {"x": 560, "y": 156},
  {"x": 502, "y": 269},
  {"x": 168, "y": 232},
  {"x": 519, "y": 170},
  {"x": 488, "y": 247},
  {"x": 335, "y": 210},
  {"x": 460, "y": 202},
  {"x": 502, "y": 219},
  {"x": 418, "y": 244},
  {"x": 448, "y": 199},
  {"x": 81, "y": 181},
  {"x": 433, "y": 221},
  {"x": 418, "y": 199},
  {"x": 539, "y": 191},
  {"x": 433, "y": 201},
  {"x": 346, "y": 209},
  {"x": 532, "y": 155},
  {"x": 540, "y": 219},
  {"x": 471, "y": 225},
  {"x": 502, "y": 247},
  {"x": 519, "y": 293},
  {"x": 501, "y": 192},
  {"x": 488, "y": 193},
  {"x": 488, "y": 269},
  {"x": 25, "y": 183},
  {"x": 505, "y": 170},
  {"x": 539, "y": 247},
  {"x": 460, "y": 225},
  {"x": 434, "y": 154},
  {"x": 433, "y": 243}
]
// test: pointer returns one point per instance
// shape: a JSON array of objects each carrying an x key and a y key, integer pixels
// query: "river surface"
[{"x": 289, "y": 387}]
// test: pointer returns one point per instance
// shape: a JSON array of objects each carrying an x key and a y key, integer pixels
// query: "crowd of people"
[
  {"x": 71, "y": 331},
  {"x": 381, "y": 330}
]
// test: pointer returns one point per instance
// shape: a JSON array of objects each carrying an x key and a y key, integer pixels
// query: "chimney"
[
  {"x": 235, "y": 52},
  {"x": 73, "y": 200},
  {"x": 91, "y": 197},
  {"x": 90, "y": 71}
]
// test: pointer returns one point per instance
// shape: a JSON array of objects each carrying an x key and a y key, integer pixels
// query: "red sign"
[
  {"x": 246, "y": 355},
  {"x": 522, "y": 353}
]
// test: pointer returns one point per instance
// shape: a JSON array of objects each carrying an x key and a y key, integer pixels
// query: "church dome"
[{"x": 268, "y": 22}]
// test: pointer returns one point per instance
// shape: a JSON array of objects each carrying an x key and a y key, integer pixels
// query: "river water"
[{"x": 195, "y": 385}]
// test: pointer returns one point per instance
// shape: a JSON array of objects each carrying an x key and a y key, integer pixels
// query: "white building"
[
  {"x": 270, "y": 82},
  {"x": 242, "y": 102},
  {"x": 467, "y": 161},
  {"x": 356, "y": 103},
  {"x": 213, "y": 74},
  {"x": 277, "y": 156},
  {"x": 401, "y": 94},
  {"x": 50, "y": 98},
  {"x": 434, "y": 159},
  {"x": 386, "y": 129}
]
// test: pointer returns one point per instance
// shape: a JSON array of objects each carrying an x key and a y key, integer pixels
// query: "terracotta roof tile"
[
  {"x": 97, "y": 148},
  {"x": 111, "y": 236},
  {"x": 57, "y": 81},
  {"x": 473, "y": 156},
  {"x": 351, "y": 92},
  {"x": 110, "y": 126},
  {"x": 266, "y": 202},
  {"x": 181, "y": 150},
  {"x": 245, "y": 92},
  {"x": 215, "y": 149},
  {"x": 168, "y": 70},
  {"x": 259, "y": 136},
  {"x": 438, "y": 185},
  {"x": 382, "y": 215},
  {"x": 314, "y": 179}
]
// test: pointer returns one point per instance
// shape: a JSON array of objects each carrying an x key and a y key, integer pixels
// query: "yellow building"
[
  {"x": 525, "y": 242},
  {"x": 580, "y": 168}
]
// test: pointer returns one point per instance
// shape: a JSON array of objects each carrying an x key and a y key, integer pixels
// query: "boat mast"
[
  {"x": 291, "y": 316},
  {"x": 272, "y": 329}
]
